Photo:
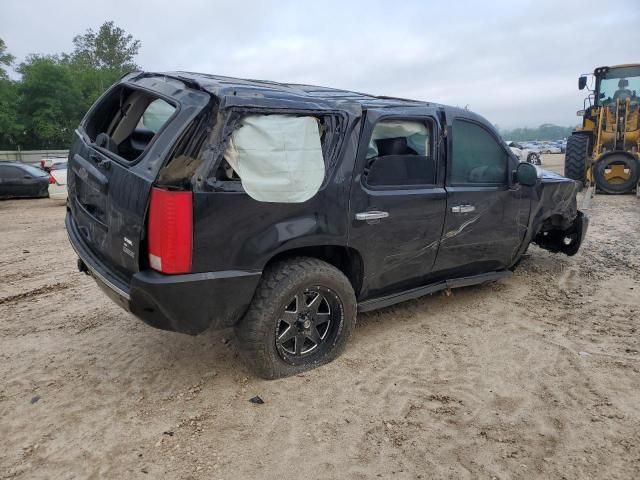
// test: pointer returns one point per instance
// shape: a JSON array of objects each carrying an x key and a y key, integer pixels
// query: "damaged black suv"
[{"x": 199, "y": 201}]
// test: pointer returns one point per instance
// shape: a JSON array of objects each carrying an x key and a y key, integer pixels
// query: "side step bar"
[{"x": 386, "y": 301}]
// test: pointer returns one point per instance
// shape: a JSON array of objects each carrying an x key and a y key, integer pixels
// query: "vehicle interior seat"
[{"x": 399, "y": 164}]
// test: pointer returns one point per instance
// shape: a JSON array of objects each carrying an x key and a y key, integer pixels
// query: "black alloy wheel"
[
  {"x": 302, "y": 315},
  {"x": 308, "y": 323}
]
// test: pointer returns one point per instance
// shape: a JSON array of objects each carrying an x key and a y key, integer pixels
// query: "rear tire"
[
  {"x": 575, "y": 160},
  {"x": 623, "y": 186},
  {"x": 273, "y": 336}
]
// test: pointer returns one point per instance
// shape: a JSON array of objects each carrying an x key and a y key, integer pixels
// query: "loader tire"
[
  {"x": 575, "y": 160},
  {"x": 620, "y": 185}
]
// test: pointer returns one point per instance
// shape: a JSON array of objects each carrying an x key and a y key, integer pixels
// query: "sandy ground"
[{"x": 536, "y": 376}]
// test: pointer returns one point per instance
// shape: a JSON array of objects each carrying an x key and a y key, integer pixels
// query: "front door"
[
  {"x": 487, "y": 213},
  {"x": 397, "y": 200}
]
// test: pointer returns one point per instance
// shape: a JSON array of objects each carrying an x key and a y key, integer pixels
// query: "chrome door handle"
[
  {"x": 373, "y": 215},
  {"x": 463, "y": 209}
]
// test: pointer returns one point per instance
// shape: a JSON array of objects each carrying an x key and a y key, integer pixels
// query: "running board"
[{"x": 381, "y": 302}]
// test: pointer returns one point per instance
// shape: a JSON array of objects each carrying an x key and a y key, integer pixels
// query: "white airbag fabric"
[
  {"x": 277, "y": 157},
  {"x": 416, "y": 133}
]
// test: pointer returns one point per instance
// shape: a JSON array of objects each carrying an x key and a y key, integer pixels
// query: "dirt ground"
[{"x": 536, "y": 376}]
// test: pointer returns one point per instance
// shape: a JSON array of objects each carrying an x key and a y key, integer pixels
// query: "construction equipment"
[{"x": 604, "y": 152}]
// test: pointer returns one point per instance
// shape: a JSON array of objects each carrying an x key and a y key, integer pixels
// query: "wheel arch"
[{"x": 346, "y": 259}]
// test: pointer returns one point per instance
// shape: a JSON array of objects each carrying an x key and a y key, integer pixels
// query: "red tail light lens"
[
  {"x": 51, "y": 180},
  {"x": 170, "y": 231}
]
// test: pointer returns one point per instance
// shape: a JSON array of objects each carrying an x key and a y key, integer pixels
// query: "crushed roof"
[{"x": 227, "y": 85}]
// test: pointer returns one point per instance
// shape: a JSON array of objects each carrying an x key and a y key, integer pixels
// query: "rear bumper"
[
  {"x": 189, "y": 303},
  {"x": 58, "y": 192}
]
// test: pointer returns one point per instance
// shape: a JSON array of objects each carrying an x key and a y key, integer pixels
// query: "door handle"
[
  {"x": 371, "y": 217},
  {"x": 463, "y": 209}
]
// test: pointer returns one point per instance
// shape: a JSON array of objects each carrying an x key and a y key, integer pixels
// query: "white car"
[
  {"x": 47, "y": 162},
  {"x": 548, "y": 148},
  {"x": 524, "y": 154},
  {"x": 58, "y": 181}
]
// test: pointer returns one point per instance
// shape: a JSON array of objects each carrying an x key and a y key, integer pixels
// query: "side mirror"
[
  {"x": 526, "y": 174},
  {"x": 582, "y": 82}
]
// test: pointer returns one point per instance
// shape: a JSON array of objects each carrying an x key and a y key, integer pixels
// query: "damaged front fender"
[
  {"x": 556, "y": 223},
  {"x": 567, "y": 240}
]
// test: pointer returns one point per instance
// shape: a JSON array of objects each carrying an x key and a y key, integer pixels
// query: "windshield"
[{"x": 620, "y": 83}]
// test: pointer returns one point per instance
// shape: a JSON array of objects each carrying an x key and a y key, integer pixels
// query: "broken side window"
[
  {"x": 278, "y": 158},
  {"x": 399, "y": 154}
]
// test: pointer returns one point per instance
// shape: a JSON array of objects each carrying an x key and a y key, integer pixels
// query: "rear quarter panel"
[{"x": 232, "y": 231}]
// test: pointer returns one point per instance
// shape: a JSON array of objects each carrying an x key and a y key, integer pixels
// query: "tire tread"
[
  {"x": 253, "y": 328},
  {"x": 575, "y": 159}
]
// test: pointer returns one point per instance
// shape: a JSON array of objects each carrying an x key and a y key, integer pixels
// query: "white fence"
[{"x": 31, "y": 156}]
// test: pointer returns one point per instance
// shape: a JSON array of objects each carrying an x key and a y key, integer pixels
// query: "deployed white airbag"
[
  {"x": 416, "y": 133},
  {"x": 277, "y": 157}
]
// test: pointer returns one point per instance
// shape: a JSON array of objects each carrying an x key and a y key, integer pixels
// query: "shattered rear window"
[{"x": 126, "y": 122}]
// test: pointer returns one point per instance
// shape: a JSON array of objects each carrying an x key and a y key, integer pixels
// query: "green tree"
[
  {"x": 50, "y": 102},
  {"x": 100, "y": 58},
  {"x": 10, "y": 127},
  {"x": 109, "y": 48},
  {"x": 6, "y": 60}
]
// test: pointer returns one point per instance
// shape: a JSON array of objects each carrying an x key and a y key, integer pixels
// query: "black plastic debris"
[
  {"x": 257, "y": 400},
  {"x": 35, "y": 399}
]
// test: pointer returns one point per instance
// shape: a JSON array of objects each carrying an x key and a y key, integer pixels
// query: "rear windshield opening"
[{"x": 126, "y": 122}]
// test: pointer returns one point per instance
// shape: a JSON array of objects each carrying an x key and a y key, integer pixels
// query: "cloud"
[{"x": 515, "y": 63}]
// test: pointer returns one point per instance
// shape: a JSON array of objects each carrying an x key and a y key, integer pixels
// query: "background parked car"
[
  {"x": 46, "y": 163},
  {"x": 58, "y": 181},
  {"x": 21, "y": 180},
  {"x": 550, "y": 148},
  {"x": 525, "y": 154}
]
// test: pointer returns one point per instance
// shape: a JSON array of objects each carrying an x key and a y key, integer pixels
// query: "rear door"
[
  {"x": 32, "y": 181},
  {"x": 115, "y": 158},
  {"x": 398, "y": 199},
  {"x": 487, "y": 214}
]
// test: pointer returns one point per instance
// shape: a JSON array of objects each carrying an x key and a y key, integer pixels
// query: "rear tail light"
[
  {"x": 51, "y": 180},
  {"x": 170, "y": 231}
]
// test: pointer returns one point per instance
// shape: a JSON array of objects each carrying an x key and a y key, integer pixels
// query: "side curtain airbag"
[{"x": 277, "y": 157}]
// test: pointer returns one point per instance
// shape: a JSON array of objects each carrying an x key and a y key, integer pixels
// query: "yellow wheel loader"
[{"x": 605, "y": 151}]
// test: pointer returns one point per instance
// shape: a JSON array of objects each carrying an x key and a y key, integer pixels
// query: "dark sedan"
[{"x": 21, "y": 180}]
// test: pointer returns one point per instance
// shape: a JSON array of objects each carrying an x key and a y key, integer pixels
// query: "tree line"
[
  {"x": 43, "y": 107},
  {"x": 543, "y": 132}
]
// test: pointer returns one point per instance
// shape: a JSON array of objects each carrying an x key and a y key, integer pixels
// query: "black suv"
[{"x": 200, "y": 201}]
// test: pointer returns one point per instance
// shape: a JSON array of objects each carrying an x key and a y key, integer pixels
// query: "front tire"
[
  {"x": 301, "y": 317},
  {"x": 534, "y": 159},
  {"x": 575, "y": 160}
]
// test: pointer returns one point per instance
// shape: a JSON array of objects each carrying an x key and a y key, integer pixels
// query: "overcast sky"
[{"x": 514, "y": 62}]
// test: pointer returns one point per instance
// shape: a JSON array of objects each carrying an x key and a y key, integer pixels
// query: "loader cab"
[{"x": 616, "y": 83}]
